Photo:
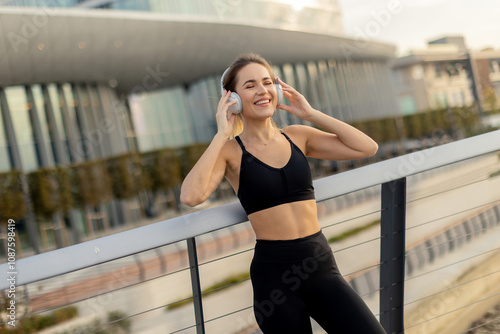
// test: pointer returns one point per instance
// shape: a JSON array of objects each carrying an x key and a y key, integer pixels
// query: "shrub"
[
  {"x": 126, "y": 174},
  {"x": 65, "y": 313},
  {"x": 12, "y": 204},
  {"x": 91, "y": 183},
  {"x": 163, "y": 169},
  {"x": 121, "y": 320},
  {"x": 94, "y": 327}
]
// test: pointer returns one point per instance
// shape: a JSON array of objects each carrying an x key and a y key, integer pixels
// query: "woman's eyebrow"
[{"x": 253, "y": 81}]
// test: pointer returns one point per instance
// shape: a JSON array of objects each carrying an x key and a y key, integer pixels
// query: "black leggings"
[{"x": 296, "y": 279}]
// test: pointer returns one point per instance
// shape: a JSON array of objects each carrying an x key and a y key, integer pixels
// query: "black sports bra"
[{"x": 262, "y": 186}]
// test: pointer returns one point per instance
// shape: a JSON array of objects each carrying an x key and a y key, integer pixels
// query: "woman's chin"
[{"x": 260, "y": 113}]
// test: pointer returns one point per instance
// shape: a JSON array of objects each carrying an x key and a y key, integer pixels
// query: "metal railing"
[{"x": 391, "y": 175}]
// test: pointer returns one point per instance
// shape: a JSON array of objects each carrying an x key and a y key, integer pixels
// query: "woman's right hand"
[{"x": 224, "y": 124}]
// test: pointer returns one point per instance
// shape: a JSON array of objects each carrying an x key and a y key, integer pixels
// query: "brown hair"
[{"x": 230, "y": 79}]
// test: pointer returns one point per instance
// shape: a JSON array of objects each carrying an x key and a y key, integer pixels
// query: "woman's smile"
[{"x": 263, "y": 102}]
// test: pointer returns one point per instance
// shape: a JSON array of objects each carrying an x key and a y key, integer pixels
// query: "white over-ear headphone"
[{"x": 238, "y": 106}]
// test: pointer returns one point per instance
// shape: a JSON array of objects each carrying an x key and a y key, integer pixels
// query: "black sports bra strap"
[
  {"x": 284, "y": 134},
  {"x": 240, "y": 142}
]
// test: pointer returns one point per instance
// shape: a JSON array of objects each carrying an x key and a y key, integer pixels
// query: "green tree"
[
  {"x": 127, "y": 178},
  {"x": 91, "y": 188},
  {"x": 12, "y": 205},
  {"x": 490, "y": 99}
]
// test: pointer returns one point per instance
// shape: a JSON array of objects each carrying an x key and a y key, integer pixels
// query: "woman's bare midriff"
[{"x": 286, "y": 222}]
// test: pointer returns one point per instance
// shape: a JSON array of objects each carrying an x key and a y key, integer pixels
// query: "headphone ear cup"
[
  {"x": 279, "y": 93},
  {"x": 238, "y": 106}
]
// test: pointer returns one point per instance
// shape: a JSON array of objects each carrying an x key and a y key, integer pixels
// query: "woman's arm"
[
  {"x": 210, "y": 169},
  {"x": 341, "y": 142},
  {"x": 206, "y": 174}
]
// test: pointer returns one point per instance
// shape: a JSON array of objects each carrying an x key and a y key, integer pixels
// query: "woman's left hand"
[{"x": 300, "y": 106}]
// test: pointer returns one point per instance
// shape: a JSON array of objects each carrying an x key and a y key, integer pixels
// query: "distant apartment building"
[
  {"x": 446, "y": 74},
  {"x": 487, "y": 69}
]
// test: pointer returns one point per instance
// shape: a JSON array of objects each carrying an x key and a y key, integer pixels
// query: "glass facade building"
[
  {"x": 58, "y": 124},
  {"x": 318, "y": 15},
  {"x": 57, "y": 121}
]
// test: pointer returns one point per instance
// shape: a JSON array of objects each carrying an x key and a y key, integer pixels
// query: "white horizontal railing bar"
[
  {"x": 119, "y": 245},
  {"x": 159, "y": 234}
]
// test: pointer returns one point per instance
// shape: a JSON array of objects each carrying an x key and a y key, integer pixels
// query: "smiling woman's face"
[{"x": 255, "y": 86}]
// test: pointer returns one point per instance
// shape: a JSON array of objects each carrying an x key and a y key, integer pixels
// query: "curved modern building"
[{"x": 81, "y": 80}]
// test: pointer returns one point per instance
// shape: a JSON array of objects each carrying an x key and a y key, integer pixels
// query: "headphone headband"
[{"x": 222, "y": 80}]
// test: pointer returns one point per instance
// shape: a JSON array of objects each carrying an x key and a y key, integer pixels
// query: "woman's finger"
[
  {"x": 224, "y": 97},
  {"x": 231, "y": 119},
  {"x": 223, "y": 105},
  {"x": 284, "y": 107},
  {"x": 282, "y": 83},
  {"x": 286, "y": 86},
  {"x": 289, "y": 89}
]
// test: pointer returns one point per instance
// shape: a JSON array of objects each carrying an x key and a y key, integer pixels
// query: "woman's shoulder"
[
  {"x": 295, "y": 129},
  {"x": 298, "y": 134},
  {"x": 298, "y": 131},
  {"x": 302, "y": 131},
  {"x": 231, "y": 148}
]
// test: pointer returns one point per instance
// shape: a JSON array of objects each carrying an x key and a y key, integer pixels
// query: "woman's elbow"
[
  {"x": 186, "y": 200},
  {"x": 371, "y": 150},
  {"x": 374, "y": 149},
  {"x": 189, "y": 197}
]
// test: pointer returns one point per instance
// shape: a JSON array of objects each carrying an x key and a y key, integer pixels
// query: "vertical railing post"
[
  {"x": 392, "y": 255},
  {"x": 195, "y": 285}
]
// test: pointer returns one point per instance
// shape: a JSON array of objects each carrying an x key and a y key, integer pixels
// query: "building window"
[
  {"x": 417, "y": 73},
  {"x": 440, "y": 100},
  {"x": 40, "y": 106},
  {"x": 438, "y": 70},
  {"x": 18, "y": 105},
  {"x": 56, "y": 106},
  {"x": 4, "y": 153},
  {"x": 494, "y": 66},
  {"x": 407, "y": 105},
  {"x": 453, "y": 69},
  {"x": 457, "y": 99}
]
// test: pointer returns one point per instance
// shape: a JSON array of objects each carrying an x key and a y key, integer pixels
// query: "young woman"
[{"x": 293, "y": 272}]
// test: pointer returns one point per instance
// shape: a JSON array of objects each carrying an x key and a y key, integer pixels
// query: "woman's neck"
[{"x": 259, "y": 134}]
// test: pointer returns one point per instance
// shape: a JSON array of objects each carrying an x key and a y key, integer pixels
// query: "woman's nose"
[{"x": 261, "y": 89}]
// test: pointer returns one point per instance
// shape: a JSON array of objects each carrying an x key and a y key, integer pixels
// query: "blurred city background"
[{"x": 106, "y": 105}]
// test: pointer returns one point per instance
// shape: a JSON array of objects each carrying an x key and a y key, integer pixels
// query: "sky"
[{"x": 410, "y": 24}]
